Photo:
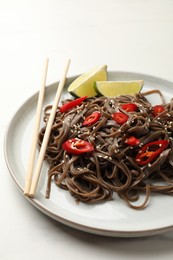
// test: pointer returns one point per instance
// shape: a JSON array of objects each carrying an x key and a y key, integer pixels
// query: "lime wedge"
[
  {"x": 116, "y": 88},
  {"x": 84, "y": 84}
]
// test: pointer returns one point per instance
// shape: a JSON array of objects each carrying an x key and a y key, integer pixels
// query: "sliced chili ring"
[
  {"x": 132, "y": 141},
  {"x": 157, "y": 110},
  {"x": 150, "y": 151},
  {"x": 71, "y": 104},
  {"x": 91, "y": 119},
  {"x": 129, "y": 107},
  {"x": 120, "y": 117},
  {"x": 77, "y": 146}
]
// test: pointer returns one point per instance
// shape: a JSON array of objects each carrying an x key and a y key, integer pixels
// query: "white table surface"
[{"x": 127, "y": 35}]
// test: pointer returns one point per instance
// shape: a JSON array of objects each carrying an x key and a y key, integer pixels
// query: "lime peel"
[
  {"x": 117, "y": 88},
  {"x": 84, "y": 84}
]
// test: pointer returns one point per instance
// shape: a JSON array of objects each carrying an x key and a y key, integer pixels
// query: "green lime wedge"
[
  {"x": 116, "y": 88},
  {"x": 84, "y": 84}
]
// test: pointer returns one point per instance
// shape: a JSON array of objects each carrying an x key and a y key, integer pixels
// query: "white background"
[{"x": 127, "y": 35}]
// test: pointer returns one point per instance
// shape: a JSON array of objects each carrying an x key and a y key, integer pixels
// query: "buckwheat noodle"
[{"x": 111, "y": 168}]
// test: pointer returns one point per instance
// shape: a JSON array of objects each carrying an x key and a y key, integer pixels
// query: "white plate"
[{"x": 113, "y": 218}]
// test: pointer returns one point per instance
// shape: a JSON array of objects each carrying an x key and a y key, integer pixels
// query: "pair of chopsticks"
[{"x": 33, "y": 175}]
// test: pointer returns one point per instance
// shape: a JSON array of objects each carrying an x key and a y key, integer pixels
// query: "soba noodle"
[{"x": 111, "y": 168}]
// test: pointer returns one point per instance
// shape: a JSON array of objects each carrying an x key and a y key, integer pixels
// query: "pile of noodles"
[{"x": 111, "y": 168}]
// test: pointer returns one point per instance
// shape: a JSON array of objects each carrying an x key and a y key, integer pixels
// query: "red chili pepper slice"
[
  {"x": 151, "y": 151},
  {"x": 157, "y": 110},
  {"x": 132, "y": 141},
  {"x": 72, "y": 104},
  {"x": 129, "y": 107},
  {"x": 77, "y": 146},
  {"x": 120, "y": 118},
  {"x": 91, "y": 119}
]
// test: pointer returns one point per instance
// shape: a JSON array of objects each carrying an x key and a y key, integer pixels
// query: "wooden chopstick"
[
  {"x": 32, "y": 153},
  {"x": 47, "y": 133}
]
